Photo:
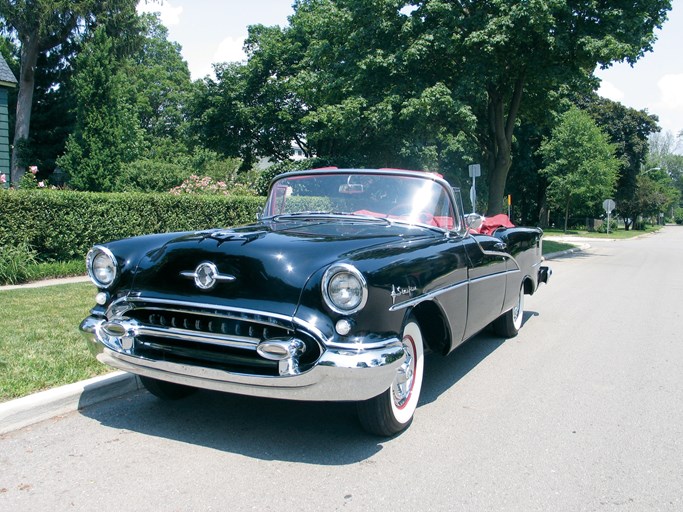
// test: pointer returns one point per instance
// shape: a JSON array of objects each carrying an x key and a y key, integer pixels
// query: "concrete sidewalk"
[
  {"x": 31, "y": 409},
  {"x": 46, "y": 282}
]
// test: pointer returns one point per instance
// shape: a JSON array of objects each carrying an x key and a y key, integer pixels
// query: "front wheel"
[
  {"x": 509, "y": 323},
  {"x": 166, "y": 390},
  {"x": 393, "y": 411}
]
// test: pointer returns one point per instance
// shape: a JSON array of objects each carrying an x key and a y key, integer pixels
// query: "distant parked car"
[{"x": 335, "y": 294}]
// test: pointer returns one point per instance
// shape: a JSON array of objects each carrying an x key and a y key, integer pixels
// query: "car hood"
[{"x": 271, "y": 262}]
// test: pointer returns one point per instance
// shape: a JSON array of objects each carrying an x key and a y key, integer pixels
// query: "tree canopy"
[{"x": 368, "y": 81}]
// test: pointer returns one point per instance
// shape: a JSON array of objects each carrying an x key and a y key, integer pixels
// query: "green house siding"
[{"x": 4, "y": 138}]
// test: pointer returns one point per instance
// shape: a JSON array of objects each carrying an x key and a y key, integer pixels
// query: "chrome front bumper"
[{"x": 340, "y": 374}]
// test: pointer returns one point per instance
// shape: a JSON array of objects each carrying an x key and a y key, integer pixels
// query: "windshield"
[{"x": 394, "y": 197}]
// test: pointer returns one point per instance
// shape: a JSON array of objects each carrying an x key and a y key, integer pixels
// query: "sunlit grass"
[
  {"x": 618, "y": 234},
  {"x": 40, "y": 344},
  {"x": 550, "y": 246}
]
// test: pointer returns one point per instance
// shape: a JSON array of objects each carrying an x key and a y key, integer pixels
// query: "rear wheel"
[
  {"x": 393, "y": 411},
  {"x": 166, "y": 390},
  {"x": 509, "y": 323}
]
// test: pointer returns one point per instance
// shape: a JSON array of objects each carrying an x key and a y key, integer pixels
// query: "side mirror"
[{"x": 474, "y": 221}]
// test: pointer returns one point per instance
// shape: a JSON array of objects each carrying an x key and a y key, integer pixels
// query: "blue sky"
[{"x": 210, "y": 31}]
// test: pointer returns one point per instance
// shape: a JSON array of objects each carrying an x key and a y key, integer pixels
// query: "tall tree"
[
  {"x": 665, "y": 154},
  {"x": 107, "y": 133},
  {"x": 510, "y": 52},
  {"x": 628, "y": 129},
  {"x": 161, "y": 81},
  {"x": 41, "y": 26},
  {"x": 579, "y": 163},
  {"x": 354, "y": 74}
]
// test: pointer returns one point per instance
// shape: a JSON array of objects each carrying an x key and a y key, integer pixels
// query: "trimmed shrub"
[{"x": 62, "y": 225}]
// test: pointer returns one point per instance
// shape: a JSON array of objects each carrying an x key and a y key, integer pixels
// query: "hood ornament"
[{"x": 206, "y": 275}]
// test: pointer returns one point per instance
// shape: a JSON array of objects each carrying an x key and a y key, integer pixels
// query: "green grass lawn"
[
  {"x": 550, "y": 246},
  {"x": 619, "y": 233},
  {"x": 40, "y": 344}
]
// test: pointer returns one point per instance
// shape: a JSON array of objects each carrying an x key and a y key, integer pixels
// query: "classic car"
[{"x": 335, "y": 294}]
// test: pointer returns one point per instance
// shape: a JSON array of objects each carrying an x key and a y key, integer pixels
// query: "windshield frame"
[{"x": 280, "y": 191}]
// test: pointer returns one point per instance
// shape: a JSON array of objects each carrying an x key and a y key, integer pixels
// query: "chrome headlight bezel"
[
  {"x": 102, "y": 267},
  {"x": 332, "y": 286}
]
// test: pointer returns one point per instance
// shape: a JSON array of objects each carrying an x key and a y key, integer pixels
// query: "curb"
[
  {"x": 31, "y": 409},
  {"x": 554, "y": 255}
]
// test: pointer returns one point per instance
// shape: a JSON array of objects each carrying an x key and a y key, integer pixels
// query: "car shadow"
[
  {"x": 442, "y": 373},
  {"x": 322, "y": 433}
]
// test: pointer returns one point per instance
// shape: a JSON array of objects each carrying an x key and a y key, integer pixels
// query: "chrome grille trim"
[
  {"x": 200, "y": 337},
  {"x": 120, "y": 307}
]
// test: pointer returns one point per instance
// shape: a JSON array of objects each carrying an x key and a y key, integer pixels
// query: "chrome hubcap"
[
  {"x": 405, "y": 376},
  {"x": 518, "y": 310}
]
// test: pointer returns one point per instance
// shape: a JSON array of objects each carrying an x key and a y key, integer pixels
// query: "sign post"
[
  {"x": 475, "y": 172},
  {"x": 608, "y": 205}
]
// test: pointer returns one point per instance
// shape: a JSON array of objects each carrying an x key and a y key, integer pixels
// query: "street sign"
[
  {"x": 608, "y": 205},
  {"x": 475, "y": 170}
]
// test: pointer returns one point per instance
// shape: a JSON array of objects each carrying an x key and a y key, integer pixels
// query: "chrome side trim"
[
  {"x": 435, "y": 293},
  {"x": 503, "y": 255},
  {"x": 428, "y": 296}
]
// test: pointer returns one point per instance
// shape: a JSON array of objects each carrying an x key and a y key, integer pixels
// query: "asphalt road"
[{"x": 582, "y": 411}]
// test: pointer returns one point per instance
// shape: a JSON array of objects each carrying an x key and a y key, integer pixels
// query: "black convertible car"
[{"x": 337, "y": 291}]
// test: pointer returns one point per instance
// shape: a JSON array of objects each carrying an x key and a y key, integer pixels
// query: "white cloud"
[
  {"x": 169, "y": 15},
  {"x": 671, "y": 88},
  {"x": 230, "y": 50},
  {"x": 610, "y": 91}
]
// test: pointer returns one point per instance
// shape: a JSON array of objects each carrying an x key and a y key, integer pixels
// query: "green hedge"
[{"x": 62, "y": 225}]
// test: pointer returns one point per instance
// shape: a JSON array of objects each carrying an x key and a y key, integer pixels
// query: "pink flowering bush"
[
  {"x": 201, "y": 185},
  {"x": 208, "y": 186}
]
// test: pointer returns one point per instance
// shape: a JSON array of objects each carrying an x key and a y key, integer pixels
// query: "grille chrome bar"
[{"x": 200, "y": 337}]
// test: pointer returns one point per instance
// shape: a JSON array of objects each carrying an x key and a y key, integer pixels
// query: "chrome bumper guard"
[
  {"x": 544, "y": 274},
  {"x": 339, "y": 374}
]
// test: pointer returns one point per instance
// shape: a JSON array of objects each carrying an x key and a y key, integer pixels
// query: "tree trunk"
[
  {"x": 29, "y": 58},
  {"x": 501, "y": 130},
  {"x": 566, "y": 217}
]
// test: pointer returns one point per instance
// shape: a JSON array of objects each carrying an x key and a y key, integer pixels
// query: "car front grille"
[{"x": 217, "y": 339}]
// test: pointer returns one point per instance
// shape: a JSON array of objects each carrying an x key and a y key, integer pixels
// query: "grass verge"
[
  {"x": 40, "y": 344},
  {"x": 12, "y": 272},
  {"x": 620, "y": 234},
  {"x": 550, "y": 246}
]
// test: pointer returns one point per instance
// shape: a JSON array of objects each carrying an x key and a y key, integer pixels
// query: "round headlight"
[
  {"x": 101, "y": 266},
  {"x": 344, "y": 289}
]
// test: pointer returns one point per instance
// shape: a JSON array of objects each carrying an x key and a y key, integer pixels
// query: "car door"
[{"x": 487, "y": 276}]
